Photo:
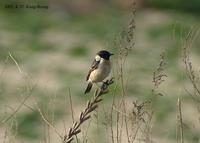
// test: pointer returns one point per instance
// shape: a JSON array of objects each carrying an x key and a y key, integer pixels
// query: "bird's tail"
[{"x": 89, "y": 87}]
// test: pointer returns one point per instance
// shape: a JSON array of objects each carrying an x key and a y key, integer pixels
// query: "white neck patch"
[{"x": 97, "y": 58}]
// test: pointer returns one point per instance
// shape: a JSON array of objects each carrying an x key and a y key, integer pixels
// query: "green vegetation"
[
  {"x": 54, "y": 51},
  {"x": 78, "y": 51},
  {"x": 29, "y": 125},
  {"x": 181, "y": 5}
]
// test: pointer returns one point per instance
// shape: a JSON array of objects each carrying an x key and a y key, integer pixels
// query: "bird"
[{"x": 99, "y": 70}]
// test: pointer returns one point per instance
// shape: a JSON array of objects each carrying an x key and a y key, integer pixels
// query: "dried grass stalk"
[
  {"x": 159, "y": 75},
  {"x": 180, "y": 122},
  {"x": 85, "y": 114}
]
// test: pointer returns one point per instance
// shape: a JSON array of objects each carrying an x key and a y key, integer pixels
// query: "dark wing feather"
[{"x": 92, "y": 68}]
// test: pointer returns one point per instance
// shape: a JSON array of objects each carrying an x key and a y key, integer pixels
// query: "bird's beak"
[{"x": 111, "y": 54}]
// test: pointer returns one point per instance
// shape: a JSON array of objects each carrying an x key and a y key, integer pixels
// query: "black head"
[{"x": 104, "y": 54}]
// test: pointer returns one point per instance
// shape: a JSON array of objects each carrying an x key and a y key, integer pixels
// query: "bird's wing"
[{"x": 93, "y": 67}]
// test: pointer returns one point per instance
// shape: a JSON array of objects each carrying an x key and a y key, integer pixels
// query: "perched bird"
[{"x": 99, "y": 69}]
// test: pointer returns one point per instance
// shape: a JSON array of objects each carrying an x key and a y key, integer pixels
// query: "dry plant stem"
[
  {"x": 117, "y": 127},
  {"x": 159, "y": 75},
  {"x": 86, "y": 133},
  {"x": 25, "y": 99},
  {"x": 123, "y": 98},
  {"x": 45, "y": 133},
  {"x": 30, "y": 90},
  {"x": 106, "y": 123},
  {"x": 111, "y": 122},
  {"x": 17, "y": 109},
  {"x": 71, "y": 106},
  {"x": 72, "y": 111},
  {"x": 121, "y": 117},
  {"x": 187, "y": 45},
  {"x": 47, "y": 122},
  {"x": 126, "y": 44},
  {"x": 18, "y": 67},
  {"x": 189, "y": 67},
  {"x": 85, "y": 115},
  {"x": 180, "y": 122},
  {"x": 5, "y": 136}
]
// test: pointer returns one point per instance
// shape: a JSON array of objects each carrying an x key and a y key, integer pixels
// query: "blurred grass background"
[{"x": 55, "y": 47}]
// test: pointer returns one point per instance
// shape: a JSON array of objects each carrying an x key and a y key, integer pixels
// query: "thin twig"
[
  {"x": 18, "y": 67},
  {"x": 180, "y": 120},
  {"x": 48, "y": 123},
  {"x": 17, "y": 109},
  {"x": 187, "y": 45},
  {"x": 111, "y": 122},
  {"x": 71, "y": 106},
  {"x": 72, "y": 111},
  {"x": 159, "y": 75}
]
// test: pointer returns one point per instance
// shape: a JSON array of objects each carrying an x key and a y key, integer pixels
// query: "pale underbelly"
[{"x": 99, "y": 75}]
